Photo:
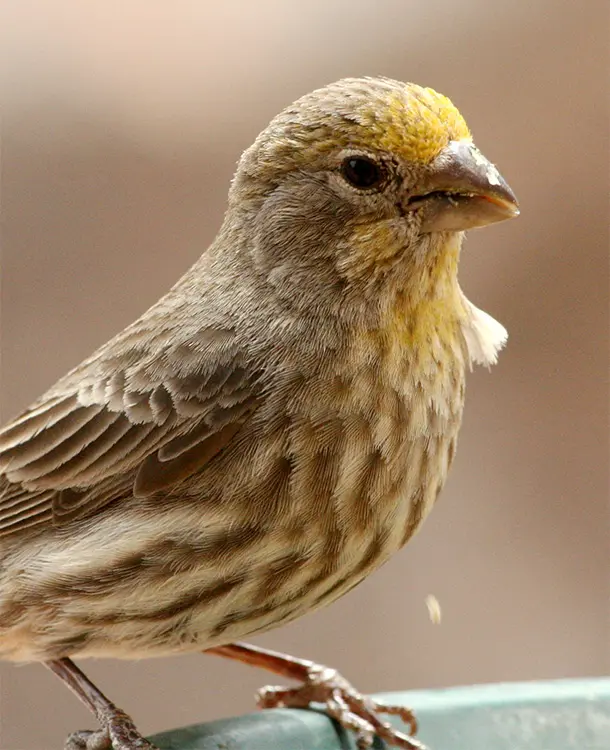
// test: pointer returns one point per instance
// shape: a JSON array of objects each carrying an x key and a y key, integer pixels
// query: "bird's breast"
[
  {"x": 374, "y": 445},
  {"x": 361, "y": 452}
]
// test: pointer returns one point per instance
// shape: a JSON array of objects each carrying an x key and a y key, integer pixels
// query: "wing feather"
[{"x": 105, "y": 434}]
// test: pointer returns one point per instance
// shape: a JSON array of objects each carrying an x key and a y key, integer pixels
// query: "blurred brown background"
[{"x": 122, "y": 123}]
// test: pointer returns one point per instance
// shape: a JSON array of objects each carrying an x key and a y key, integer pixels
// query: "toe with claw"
[
  {"x": 353, "y": 711},
  {"x": 86, "y": 739},
  {"x": 121, "y": 734},
  {"x": 350, "y": 709}
]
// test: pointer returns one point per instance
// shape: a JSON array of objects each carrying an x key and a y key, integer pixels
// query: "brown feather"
[
  {"x": 64, "y": 460},
  {"x": 155, "y": 475}
]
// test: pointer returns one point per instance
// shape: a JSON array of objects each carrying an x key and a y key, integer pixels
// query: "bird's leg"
[
  {"x": 319, "y": 684},
  {"x": 118, "y": 731}
]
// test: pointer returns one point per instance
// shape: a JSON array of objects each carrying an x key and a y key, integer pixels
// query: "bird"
[{"x": 275, "y": 427}]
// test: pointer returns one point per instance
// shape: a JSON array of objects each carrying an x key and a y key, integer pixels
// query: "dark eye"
[{"x": 362, "y": 172}]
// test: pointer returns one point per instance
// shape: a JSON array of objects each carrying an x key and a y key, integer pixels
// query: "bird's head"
[{"x": 364, "y": 185}]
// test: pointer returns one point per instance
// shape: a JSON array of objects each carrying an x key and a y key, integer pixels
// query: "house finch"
[{"x": 276, "y": 426}]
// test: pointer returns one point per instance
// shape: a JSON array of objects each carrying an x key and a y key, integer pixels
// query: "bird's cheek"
[{"x": 372, "y": 248}]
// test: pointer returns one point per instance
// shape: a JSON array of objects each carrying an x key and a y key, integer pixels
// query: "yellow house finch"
[{"x": 276, "y": 426}]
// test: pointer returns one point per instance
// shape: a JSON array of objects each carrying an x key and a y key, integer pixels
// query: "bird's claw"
[
  {"x": 87, "y": 739},
  {"x": 120, "y": 734},
  {"x": 351, "y": 710}
]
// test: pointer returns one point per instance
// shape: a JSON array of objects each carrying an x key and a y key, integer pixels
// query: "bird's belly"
[{"x": 132, "y": 587}]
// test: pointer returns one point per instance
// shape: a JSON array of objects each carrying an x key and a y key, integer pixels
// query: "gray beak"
[{"x": 462, "y": 190}]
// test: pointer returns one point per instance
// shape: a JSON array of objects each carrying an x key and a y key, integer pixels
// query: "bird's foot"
[
  {"x": 353, "y": 711},
  {"x": 86, "y": 739},
  {"x": 119, "y": 733}
]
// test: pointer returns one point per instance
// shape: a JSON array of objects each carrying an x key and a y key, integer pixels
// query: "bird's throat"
[{"x": 425, "y": 311}]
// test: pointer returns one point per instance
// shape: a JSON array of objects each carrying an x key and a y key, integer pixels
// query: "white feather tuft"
[{"x": 484, "y": 336}]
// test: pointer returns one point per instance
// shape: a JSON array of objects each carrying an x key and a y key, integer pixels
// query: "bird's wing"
[{"x": 109, "y": 431}]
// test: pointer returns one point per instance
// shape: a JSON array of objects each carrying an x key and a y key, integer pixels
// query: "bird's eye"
[{"x": 362, "y": 173}]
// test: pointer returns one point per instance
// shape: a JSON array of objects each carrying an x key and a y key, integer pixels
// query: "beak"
[{"x": 462, "y": 190}]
